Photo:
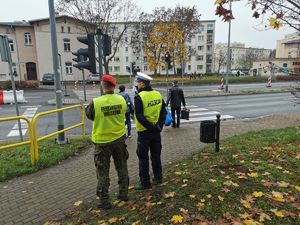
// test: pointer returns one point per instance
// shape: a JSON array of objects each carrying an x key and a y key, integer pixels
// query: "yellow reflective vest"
[
  {"x": 108, "y": 124},
  {"x": 152, "y": 102}
]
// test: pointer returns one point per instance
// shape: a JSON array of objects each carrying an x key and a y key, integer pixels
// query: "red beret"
[{"x": 110, "y": 79}]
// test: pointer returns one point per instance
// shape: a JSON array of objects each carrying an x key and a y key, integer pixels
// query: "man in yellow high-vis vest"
[
  {"x": 150, "y": 114},
  {"x": 109, "y": 134}
]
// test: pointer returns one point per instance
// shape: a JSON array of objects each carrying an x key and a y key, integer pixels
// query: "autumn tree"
[
  {"x": 105, "y": 14},
  {"x": 185, "y": 21},
  {"x": 277, "y": 12},
  {"x": 220, "y": 59}
]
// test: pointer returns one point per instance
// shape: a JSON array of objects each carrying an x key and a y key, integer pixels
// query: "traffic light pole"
[
  {"x": 99, "y": 38},
  {"x": 58, "y": 91}
]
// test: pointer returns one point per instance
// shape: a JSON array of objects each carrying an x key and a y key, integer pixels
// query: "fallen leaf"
[
  {"x": 277, "y": 213},
  {"x": 200, "y": 206},
  {"x": 208, "y": 196},
  {"x": 77, "y": 203},
  {"x": 130, "y": 187},
  {"x": 221, "y": 198},
  {"x": 136, "y": 223},
  {"x": 257, "y": 194},
  {"x": 122, "y": 203},
  {"x": 212, "y": 180},
  {"x": 185, "y": 211},
  {"x": 113, "y": 220},
  {"x": 185, "y": 180},
  {"x": 263, "y": 217},
  {"x": 253, "y": 175},
  {"x": 277, "y": 196},
  {"x": 192, "y": 196},
  {"x": 178, "y": 173},
  {"x": 283, "y": 184},
  {"x": 297, "y": 188},
  {"x": 245, "y": 204},
  {"x": 184, "y": 185},
  {"x": 177, "y": 219},
  {"x": 169, "y": 195},
  {"x": 101, "y": 222}
]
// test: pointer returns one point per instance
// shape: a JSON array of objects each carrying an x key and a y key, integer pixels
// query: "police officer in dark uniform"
[
  {"x": 150, "y": 114},
  {"x": 109, "y": 134}
]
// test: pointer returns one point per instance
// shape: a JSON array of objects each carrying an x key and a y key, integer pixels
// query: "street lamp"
[{"x": 228, "y": 63}]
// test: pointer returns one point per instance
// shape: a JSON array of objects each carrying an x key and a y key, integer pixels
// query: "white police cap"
[{"x": 143, "y": 77}]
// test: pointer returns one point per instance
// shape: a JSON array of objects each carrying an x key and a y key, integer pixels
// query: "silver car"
[{"x": 93, "y": 78}]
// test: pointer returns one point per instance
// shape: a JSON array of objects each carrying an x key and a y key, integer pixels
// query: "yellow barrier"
[
  {"x": 34, "y": 122},
  {"x": 30, "y": 141}
]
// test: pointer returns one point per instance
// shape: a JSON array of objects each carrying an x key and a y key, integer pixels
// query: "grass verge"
[
  {"x": 16, "y": 162},
  {"x": 254, "y": 179}
]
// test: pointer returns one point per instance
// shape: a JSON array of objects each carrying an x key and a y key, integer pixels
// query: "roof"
[
  {"x": 292, "y": 42},
  {"x": 57, "y": 17},
  {"x": 16, "y": 23}
]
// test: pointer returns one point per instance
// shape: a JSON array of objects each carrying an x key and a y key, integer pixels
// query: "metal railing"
[
  {"x": 30, "y": 139},
  {"x": 34, "y": 126},
  {"x": 32, "y": 131}
]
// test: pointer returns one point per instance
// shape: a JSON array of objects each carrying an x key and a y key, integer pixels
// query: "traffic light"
[
  {"x": 132, "y": 66},
  {"x": 85, "y": 53},
  {"x": 106, "y": 45},
  {"x": 168, "y": 60}
]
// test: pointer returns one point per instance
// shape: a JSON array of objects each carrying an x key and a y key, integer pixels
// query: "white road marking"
[{"x": 29, "y": 112}]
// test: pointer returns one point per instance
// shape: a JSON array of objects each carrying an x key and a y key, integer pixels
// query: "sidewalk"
[{"x": 47, "y": 194}]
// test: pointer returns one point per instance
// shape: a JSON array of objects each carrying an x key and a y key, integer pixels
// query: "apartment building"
[
  {"x": 30, "y": 45},
  {"x": 240, "y": 56},
  {"x": 289, "y": 46}
]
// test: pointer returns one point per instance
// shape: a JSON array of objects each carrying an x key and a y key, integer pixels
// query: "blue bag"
[{"x": 169, "y": 119}]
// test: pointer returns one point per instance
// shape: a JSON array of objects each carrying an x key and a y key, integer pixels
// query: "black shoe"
[
  {"x": 104, "y": 205},
  {"x": 177, "y": 126},
  {"x": 143, "y": 187},
  {"x": 123, "y": 198}
]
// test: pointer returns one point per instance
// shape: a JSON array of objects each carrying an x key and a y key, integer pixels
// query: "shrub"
[
  {"x": 5, "y": 85},
  {"x": 288, "y": 77}
]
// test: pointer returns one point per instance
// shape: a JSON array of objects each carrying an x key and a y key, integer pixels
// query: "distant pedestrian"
[
  {"x": 175, "y": 98},
  {"x": 129, "y": 110},
  {"x": 108, "y": 134},
  {"x": 150, "y": 115}
]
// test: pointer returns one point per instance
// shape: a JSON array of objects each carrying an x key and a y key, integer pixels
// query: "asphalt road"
[{"x": 237, "y": 107}]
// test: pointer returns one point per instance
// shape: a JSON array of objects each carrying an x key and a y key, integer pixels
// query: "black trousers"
[
  {"x": 177, "y": 110},
  {"x": 146, "y": 141}
]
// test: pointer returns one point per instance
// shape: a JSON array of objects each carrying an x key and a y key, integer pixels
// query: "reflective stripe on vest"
[
  {"x": 109, "y": 124},
  {"x": 152, "y": 102}
]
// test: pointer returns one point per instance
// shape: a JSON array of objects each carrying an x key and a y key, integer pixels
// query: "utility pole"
[
  {"x": 100, "y": 44},
  {"x": 60, "y": 120},
  {"x": 6, "y": 57}
]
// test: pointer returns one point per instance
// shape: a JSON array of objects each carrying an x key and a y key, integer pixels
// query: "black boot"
[
  {"x": 143, "y": 187},
  {"x": 104, "y": 205}
]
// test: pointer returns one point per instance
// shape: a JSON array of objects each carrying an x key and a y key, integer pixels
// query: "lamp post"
[{"x": 228, "y": 62}]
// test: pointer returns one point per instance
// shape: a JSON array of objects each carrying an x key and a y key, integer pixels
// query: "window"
[
  {"x": 200, "y": 58},
  {"x": 27, "y": 39},
  {"x": 200, "y": 48},
  {"x": 11, "y": 45},
  {"x": 126, "y": 39},
  {"x": 67, "y": 45},
  {"x": 199, "y": 67},
  {"x": 145, "y": 67},
  {"x": 200, "y": 38},
  {"x": 202, "y": 27},
  {"x": 69, "y": 68},
  {"x": 117, "y": 59},
  {"x": 110, "y": 68},
  {"x": 284, "y": 65},
  {"x": 189, "y": 67},
  {"x": 69, "y": 29},
  {"x": 116, "y": 68},
  {"x": 126, "y": 49},
  {"x": 209, "y": 48},
  {"x": 210, "y": 26},
  {"x": 127, "y": 59},
  {"x": 62, "y": 29}
]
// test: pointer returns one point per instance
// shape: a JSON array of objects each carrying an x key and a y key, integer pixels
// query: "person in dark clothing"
[
  {"x": 129, "y": 109},
  {"x": 176, "y": 97},
  {"x": 150, "y": 115}
]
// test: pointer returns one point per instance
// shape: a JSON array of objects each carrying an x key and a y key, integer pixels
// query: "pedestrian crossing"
[
  {"x": 29, "y": 113},
  {"x": 198, "y": 114}
]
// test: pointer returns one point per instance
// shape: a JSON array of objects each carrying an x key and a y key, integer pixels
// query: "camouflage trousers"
[{"x": 102, "y": 157}]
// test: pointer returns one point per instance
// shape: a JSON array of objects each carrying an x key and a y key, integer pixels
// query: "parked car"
[
  {"x": 237, "y": 73},
  {"x": 93, "y": 78},
  {"x": 48, "y": 78}
]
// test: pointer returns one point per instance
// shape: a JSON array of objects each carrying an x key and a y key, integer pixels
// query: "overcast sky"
[{"x": 245, "y": 29}]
